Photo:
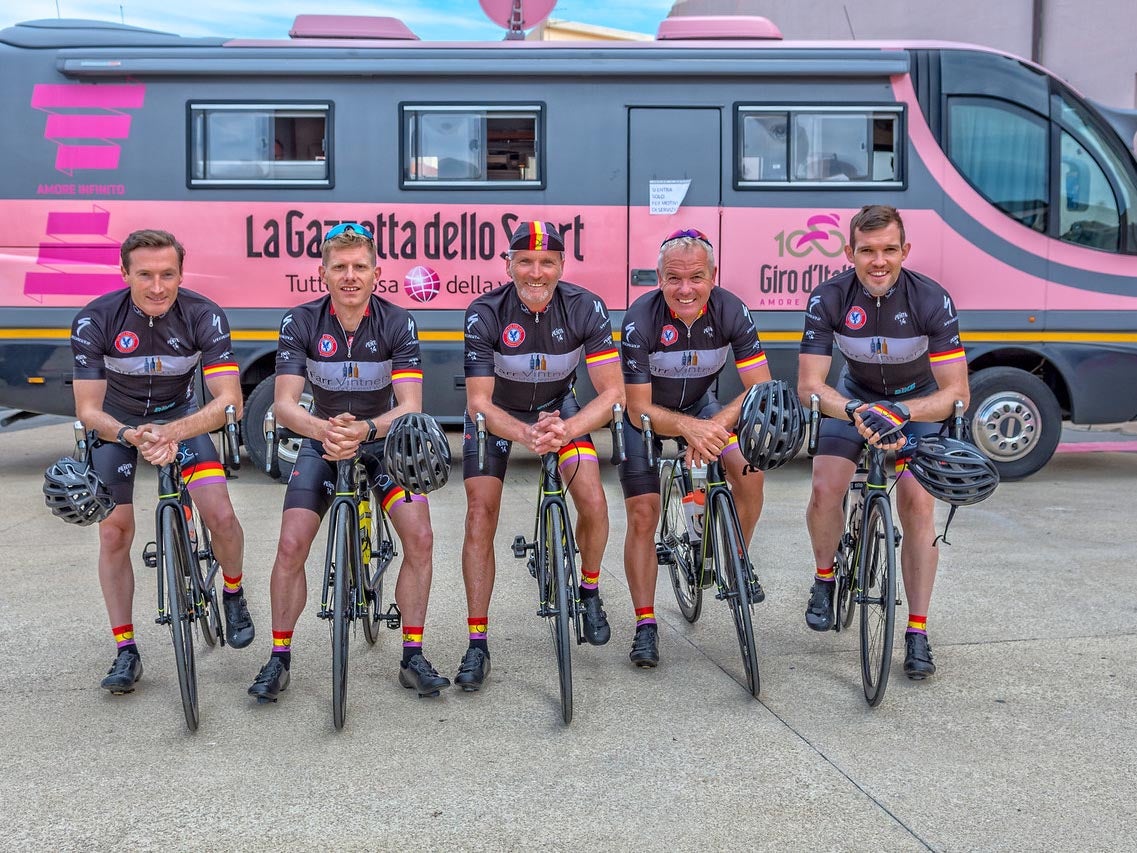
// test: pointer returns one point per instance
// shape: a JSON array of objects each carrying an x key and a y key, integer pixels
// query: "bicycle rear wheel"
[
  {"x": 380, "y": 552},
  {"x": 174, "y": 563},
  {"x": 207, "y": 569},
  {"x": 684, "y": 560},
  {"x": 735, "y": 571},
  {"x": 845, "y": 568},
  {"x": 561, "y": 600},
  {"x": 342, "y": 602},
  {"x": 877, "y": 597}
]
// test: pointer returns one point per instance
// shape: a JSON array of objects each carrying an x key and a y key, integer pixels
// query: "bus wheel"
[
  {"x": 1015, "y": 419},
  {"x": 258, "y": 404}
]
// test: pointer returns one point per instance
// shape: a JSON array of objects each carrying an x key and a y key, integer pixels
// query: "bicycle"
[
  {"x": 552, "y": 556},
  {"x": 694, "y": 559},
  {"x": 359, "y": 552}
]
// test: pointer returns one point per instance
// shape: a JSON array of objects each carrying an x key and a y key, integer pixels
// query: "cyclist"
[
  {"x": 524, "y": 342},
  {"x": 136, "y": 354},
  {"x": 899, "y": 334},
  {"x": 361, "y": 355},
  {"x": 676, "y": 342}
]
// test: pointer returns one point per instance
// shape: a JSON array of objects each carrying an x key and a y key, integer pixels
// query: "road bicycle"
[
  {"x": 552, "y": 556},
  {"x": 703, "y": 547},
  {"x": 360, "y": 549}
]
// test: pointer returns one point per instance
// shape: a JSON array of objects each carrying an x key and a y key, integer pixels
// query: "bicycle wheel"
[
  {"x": 380, "y": 551},
  {"x": 345, "y": 533},
  {"x": 684, "y": 560},
  {"x": 845, "y": 569},
  {"x": 736, "y": 574},
  {"x": 206, "y": 567},
  {"x": 173, "y": 559},
  {"x": 877, "y": 597},
  {"x": 562, "y": 600}
]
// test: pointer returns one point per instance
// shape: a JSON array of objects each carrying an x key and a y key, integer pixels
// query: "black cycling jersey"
[
  {"x": 890, "y": 343},
  {"x": 354, "y": 373},
  {"x": 534, "y": 355},
  {"x": 149, "y": 362},
  {"x": 682, "y": 362}
]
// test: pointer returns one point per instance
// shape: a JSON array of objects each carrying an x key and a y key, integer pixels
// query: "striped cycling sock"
[
  {"x": 479, "y": 627},
  {"x": 917, "y": 624},
  {"x": 644, "y": 616},
  {"x": 124, "y": 638},
  {"x": 825, "y": 574},
  {"x": 232, "y": 584},
  {"x": 282, "y": 647},
  {"x": 412, "y": 642},
  {"x": 589, "y": 583}
]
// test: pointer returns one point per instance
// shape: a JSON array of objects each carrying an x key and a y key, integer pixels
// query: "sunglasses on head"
[
  {"x": 353, "y": 227},
  {"x": 686, "y": 232}
]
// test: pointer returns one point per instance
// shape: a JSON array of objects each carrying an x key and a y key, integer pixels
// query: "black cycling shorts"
[
  {"x": 116, "y": 464},
  {"x": 312, "y": 483}
]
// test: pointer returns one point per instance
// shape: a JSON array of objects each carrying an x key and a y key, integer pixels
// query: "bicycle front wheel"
[
  {"x": 342, "y": 603},
  {"x": 734, "y": 568},
  {"x": 683, "y": 559},
  {"x": 877, "y": 597},
  {"x": 174, "y": 562},
  {"x": 561, "y": 598}
]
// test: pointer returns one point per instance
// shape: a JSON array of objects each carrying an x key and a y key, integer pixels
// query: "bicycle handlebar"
[
  {"x": 649, "y": 439},
  {"x": 480, "y": 424},
  {"x": 617, "y": 427},
  {"x": 231, "y": 438},
  {"x": 955, "y": 427}
]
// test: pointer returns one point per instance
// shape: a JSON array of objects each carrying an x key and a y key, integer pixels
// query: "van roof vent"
[
  {"x": 690, "y": 27},
  {"x": 349, "y": 27}
]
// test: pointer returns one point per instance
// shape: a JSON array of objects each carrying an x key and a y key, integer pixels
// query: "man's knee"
[
  {"x": 418, "y": 541},
  {"x": 642, "y": 513},
  {"x": 116, "y": 533}
]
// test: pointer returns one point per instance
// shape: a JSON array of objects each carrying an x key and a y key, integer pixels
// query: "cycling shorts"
[{"x": 312, "y": 483}]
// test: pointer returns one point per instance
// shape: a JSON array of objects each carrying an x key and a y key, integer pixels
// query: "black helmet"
[
  {"x": 953, "y": 471},
  {"x": 772, "y": 425},
  {"x": 74, "y": 492},
  {"x": 417, "y": 455}
]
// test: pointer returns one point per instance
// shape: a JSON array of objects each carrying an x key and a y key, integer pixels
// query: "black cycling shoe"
[
  {"x": 124, "y": 672},
  {"x": 419, "y": 675},
  {"x": 595, "y": 621},
  {"x": 918, "y": 657},
  {"x": 239, "y": 630},
  {"x": 270, "y": 681},
  {"x": 819, "y": 613},
  {"x": 757, "y": 594},
  {"x": 645, "y": 647},
  {"x": 473, "y": 670}
]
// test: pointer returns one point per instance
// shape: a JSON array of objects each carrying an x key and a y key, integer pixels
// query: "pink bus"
[{"x": 1018, "y": 196}]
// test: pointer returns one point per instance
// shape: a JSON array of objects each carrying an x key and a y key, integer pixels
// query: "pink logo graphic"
[
  {"x": 855, "y": 318},
  {"x": 75, "y": 240},
  {"x": 126, "y": 342},
  {"x": 82, "y": 119},
  {"x": 327, "y": 346},
  {"x": 669, "y": 335},
  {"x": 513, "y": 336},
  {"x": 421, "y": 284}
]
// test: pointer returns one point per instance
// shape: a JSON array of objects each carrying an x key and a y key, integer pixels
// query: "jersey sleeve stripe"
[
  {"x": 757, "y": 360},
  {"x": 947, "y": 357},
  {"x": 406, "y": 375},
  {"x": 603, "y": 357},
  {"x": 224, "y": 368}
]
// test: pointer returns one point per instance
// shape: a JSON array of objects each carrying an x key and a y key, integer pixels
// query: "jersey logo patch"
[
  {"x": 513, "y": 335},
  {"x": 327, "y": 346},
  {"x": 856, "y": 317},
  {"x": 668, "y": 335},
  {"x": 126, "y": 342}
]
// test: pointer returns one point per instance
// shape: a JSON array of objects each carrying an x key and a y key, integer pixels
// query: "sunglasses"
[
  {"x": 353, "y": 227},
  {"x": 686, "y": 232}
]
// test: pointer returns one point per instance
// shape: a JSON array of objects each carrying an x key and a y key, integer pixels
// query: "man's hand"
[
  {"x": 157, "y": 443},
  {"x": 342, "y": 436},
  {"x": 881, "y": 423},
  {"x": 706, "y": 440},
  {"x": 548, "y": 435}
]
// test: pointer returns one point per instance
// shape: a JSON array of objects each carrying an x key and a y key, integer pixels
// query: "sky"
[{"x": 431, "y": 20}]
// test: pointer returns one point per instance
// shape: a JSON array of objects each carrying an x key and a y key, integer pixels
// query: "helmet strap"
[{"x": 943, "y": 536}]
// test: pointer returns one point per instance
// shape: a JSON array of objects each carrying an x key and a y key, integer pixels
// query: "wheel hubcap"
[{"x": 1007, "y": 426}]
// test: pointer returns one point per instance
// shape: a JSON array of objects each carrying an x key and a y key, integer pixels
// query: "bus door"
[{"x": 674, "y": 182}]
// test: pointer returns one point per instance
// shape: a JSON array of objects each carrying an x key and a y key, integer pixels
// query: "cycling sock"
[
  {"x": 232, "y": 584},
  {"x": 589, "y": 584},
  {"x": 124, "y": 638},
  {"x": 478, "y": 629},
  {"x": 412, "y": 642},
  {"x": 917, "y": 624},
  {"x": 282, "y": 647},
  {"x": 644, "y": 616},
  {"x": 825, "y": 575}
]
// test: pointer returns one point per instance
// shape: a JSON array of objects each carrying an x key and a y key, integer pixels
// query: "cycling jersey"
[
  {"x": 889, "y": 343},
  {"x": 355, "y": 372},
  {"x": 149, "y": 362},
  {"x": 533, "y": 356},
  {"x": 682, "y": 362}
]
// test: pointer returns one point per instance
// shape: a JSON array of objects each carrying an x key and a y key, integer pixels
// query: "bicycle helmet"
[
  {"x": 74, "y": 492},
  {"x": 771, "y": 427},
  {"x": 953, "y": 471},
  {"x": 416, "y": 454}
]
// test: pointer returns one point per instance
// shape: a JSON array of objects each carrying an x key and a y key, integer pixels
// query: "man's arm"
[
  {"x": 953, "y": 385},
  {"x": 479, "y": 398},
  {"x": 225, "y": 390},
  {"x": 89, "y": 397},
  {"x": 812, "y": 373},
  {"x": 608, "y": 380},
  {"x": 730, "y": 413}
]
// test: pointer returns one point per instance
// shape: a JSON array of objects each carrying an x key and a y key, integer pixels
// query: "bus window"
[
  {"x": 258, "y": 145},
  {"x": 449, "y": 145},
  {"x": 1002, "y": 150},
  {"x": 824, "y": 144}
]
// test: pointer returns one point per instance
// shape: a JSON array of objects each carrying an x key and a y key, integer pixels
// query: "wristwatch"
[
  {"x": 371, "y": 429},
  {"x": 121, "y": 437},
  {"x": 851, "y": 409}
]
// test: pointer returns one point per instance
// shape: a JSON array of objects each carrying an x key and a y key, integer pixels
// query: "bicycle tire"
[
  {"x": 562, "y": 600},
  {"x": 735, "y": 573},
  {"x": 173, "y": 544},
  {"x": 205, "y": 566},
  {"x": 342, "y": 601},
  {"x": 878, "y": 597},
  {"x": 373, "y": 583},
  {"x": 685, "y": 561},
  {"x": 845, "y": 568}
]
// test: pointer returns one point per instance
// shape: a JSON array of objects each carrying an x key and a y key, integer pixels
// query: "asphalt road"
[{"x": 1022, "y": 741}]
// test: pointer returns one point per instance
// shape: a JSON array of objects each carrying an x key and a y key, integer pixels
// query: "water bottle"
[
  {"x": 699, "y": 476},
  {"x": 365, "y": 530},
  {"x": 693, "y": 506}
]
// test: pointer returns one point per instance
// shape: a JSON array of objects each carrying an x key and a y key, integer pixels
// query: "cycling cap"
[
  {"x": 953, "y": 471},
  {"x": 416, "y": 454},
  {"x": 772, "y": 426},
  {"x": 74, "y": 492},
  {"x": 538, "y": 237}
]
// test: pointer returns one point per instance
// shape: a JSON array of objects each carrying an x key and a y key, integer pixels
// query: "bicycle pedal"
[
  {"x": 520, "y": 546},
  {"x": 532, "y": 566},
  {"x": 663, "y": 555},
  {"x": 393, "y": 618},
  {"x": 150, "y": 555}
]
